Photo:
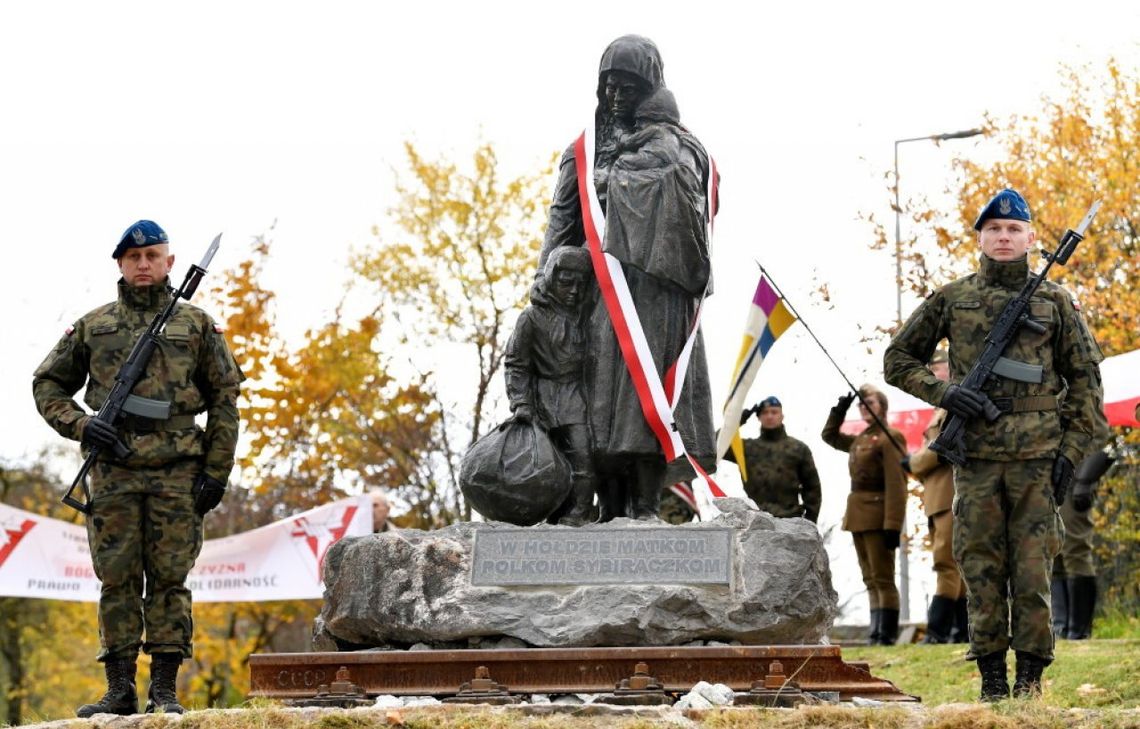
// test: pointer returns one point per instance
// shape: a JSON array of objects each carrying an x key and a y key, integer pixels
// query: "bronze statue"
[
  {"x": 544, "y": 364},
  {"x": 651, "y": 176}
]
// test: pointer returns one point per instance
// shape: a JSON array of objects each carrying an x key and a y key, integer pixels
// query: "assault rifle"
[
  {"x": 120, "y": 400},
  {"x": 950, "y": 443}
]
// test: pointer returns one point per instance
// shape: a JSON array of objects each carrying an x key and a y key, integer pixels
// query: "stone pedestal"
[{"x": 744, "y": 577}]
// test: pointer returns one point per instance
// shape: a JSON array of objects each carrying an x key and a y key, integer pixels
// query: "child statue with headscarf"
[{"x": 544, "y": 364}]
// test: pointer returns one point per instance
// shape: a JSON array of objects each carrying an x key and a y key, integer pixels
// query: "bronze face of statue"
[
  {"x": 567, "y": 287},
  {"x": 624, "y": 92}
]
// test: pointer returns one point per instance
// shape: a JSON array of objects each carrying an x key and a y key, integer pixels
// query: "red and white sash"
[{"x": 658, "y": 399}]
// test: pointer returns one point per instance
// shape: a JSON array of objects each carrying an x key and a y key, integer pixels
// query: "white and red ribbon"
[{"x": 658, "y": 399}]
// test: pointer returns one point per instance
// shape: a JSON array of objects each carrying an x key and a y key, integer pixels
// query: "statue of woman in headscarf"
[{"x": 651, "y": 176}]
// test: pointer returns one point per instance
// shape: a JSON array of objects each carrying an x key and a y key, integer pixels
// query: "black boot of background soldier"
[
  {"x": 939, "y": 620},
  {"x": 961, "y": 631},
  {"x": 875, "y": 627},
  {"x": 888, "y": 626},
  {"x": 1059, "y": 605},
  {"x": 1082, "y": 606}
]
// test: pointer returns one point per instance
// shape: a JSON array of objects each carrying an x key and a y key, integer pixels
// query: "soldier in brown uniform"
[
  {"x": 876, "y": 505},
  {"x": 946, "y": 619},
  {"x": 145, "y": 525},
  {"x": 1074, "y": 588}
]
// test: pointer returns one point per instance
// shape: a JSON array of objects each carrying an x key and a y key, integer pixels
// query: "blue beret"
[
  {"x": 771, "y": 402},
  {"x": 1007, "y": 205},
  {"x": 140, "y": 235}
]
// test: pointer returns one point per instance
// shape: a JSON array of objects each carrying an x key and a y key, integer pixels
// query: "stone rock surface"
[{"x": 393, "y": 590}]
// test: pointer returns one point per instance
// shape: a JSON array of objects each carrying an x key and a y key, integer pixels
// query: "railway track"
[{"x": 442, "y": 673}]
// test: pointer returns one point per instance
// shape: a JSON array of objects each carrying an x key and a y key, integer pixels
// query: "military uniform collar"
[
  {"x": 145, "y": 298},
  {"x": 1004, "y": 274},
  {"x": 776, "y": 433}
]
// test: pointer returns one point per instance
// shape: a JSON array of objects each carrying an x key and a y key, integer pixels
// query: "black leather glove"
[
  {"x": 905, "y": 463},
  {"x": 844, "y": 402},
  {"x": 747, "y": 413},
  {"x": 1088, "y": 473},
  {"x": 97, "y": 433},
  {"x": 962, "y": 401},
  {"x": 890, "y": 539},
  {"x": 1062, "y": 476},
  {"x": 208, "y": 493},
  {"x": 1082, "y": 497}
]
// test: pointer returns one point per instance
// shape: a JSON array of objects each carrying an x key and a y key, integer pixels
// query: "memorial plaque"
[{"x": 603, "y": 556}]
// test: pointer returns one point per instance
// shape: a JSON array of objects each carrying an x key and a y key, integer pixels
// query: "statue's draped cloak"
[{"x": 654, "y": 192}]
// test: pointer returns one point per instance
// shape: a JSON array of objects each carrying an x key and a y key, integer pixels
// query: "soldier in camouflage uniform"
[
  {"x": 1074, "y": 572},
  {"x": 876, "y": 506},
  {"x": 780, "y": 471},
  {"x": 145, "y": 525},
  {"x": 1006, "y": 526}
]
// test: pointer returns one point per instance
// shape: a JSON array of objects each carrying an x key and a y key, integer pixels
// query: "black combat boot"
[
  {"x": 121, "y": 697},
  {"x": 1027, "y": 684},
  {"x": 961, "y": 631},
  {"x": 995, "y": 683},
  {"x": 875, "y": 627},
  {"x": 1059, "y": 605},
  {"x": 939, "y": 620},
  {"x": 163, "y": 693},
  {"x": 1082, "y": 605},
  {"x": 888, "y": 626}
]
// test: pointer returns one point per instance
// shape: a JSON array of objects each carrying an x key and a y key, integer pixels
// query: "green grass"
[
  {"x": 1085, "y": 674},
  {"x": 1091, "y": 685},
  {"x": 1117, "y": 624}
]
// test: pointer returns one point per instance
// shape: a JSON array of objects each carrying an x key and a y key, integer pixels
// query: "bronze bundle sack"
[{"x": 515, "y": 474}]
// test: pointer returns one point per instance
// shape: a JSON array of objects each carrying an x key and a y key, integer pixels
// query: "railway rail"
[{"x": 442, "y": 673}]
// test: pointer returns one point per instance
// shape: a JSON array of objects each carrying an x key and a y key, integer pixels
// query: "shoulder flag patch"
[
  {"x": 69, "y": 331},
  {"x": 218, "y": 328}
]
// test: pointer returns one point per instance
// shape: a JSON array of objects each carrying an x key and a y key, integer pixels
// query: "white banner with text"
[{"x": 49, "y": 558}]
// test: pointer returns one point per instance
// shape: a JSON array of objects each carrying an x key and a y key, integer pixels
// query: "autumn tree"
[
  {"x": 1071, "y": 151},
  {"x": 457, "y": 267},
  {"x": 325, "y": 419},
  {"x": 47, "y": 647}
]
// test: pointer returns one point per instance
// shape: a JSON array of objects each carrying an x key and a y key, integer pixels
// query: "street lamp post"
[
  {"x": 904, "y": 541},
  {"x": 898, "y": 208}
]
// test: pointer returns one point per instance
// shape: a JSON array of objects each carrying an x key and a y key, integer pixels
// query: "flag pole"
[{"x": 838, "y": 369}]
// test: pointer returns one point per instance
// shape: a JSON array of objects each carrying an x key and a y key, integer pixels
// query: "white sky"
[{"x": 226, "y": 116}]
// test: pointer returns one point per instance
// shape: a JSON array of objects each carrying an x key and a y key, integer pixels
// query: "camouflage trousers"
[
  {"x": 948, "y": 579},
  {"x": 1076, "y": 557},
  {"x": 877, "y": 564},
  {"x": 144, "y": 538},
  {"x": 1006, "y": 533}
]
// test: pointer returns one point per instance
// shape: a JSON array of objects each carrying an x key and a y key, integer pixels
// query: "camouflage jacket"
[
  {"x": 192, "y": 368},
  {"x": 878, "y": 482},
  {"x": 781, "y": 473},
  {"x": 1063, "y": 413}
]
